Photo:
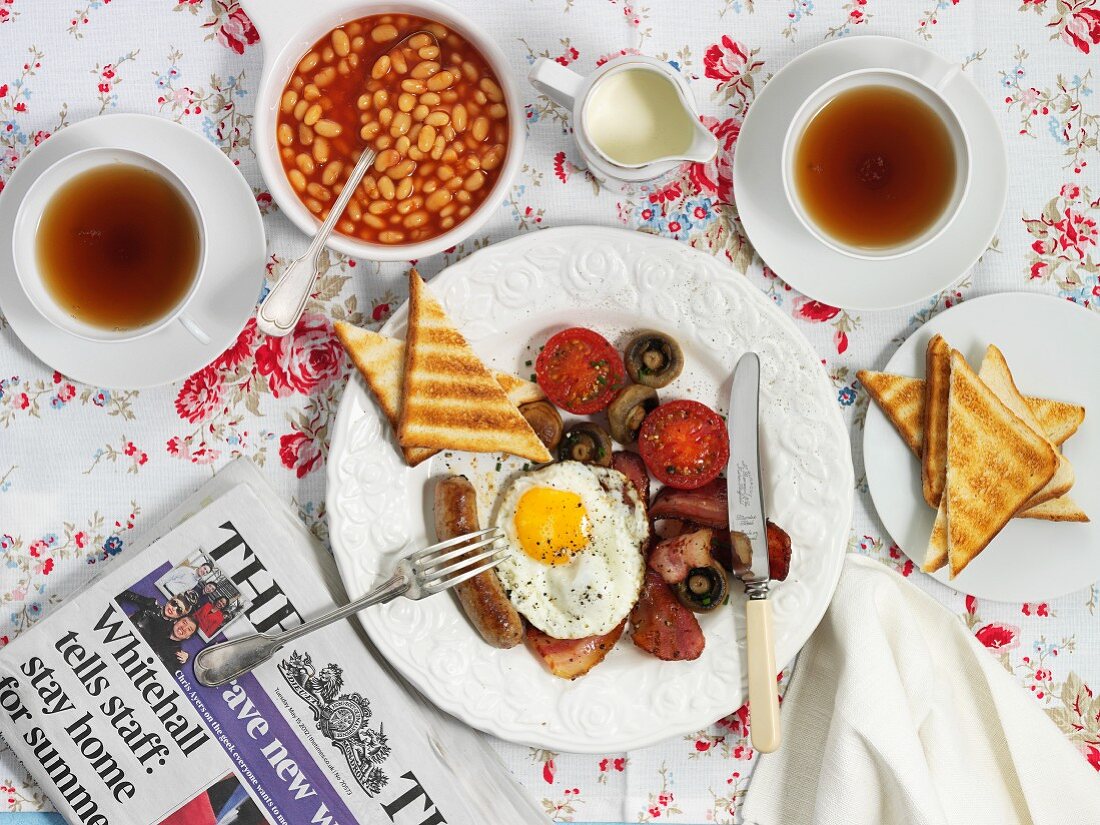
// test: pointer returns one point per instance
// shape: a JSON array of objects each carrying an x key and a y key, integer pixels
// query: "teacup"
[
  {"x": 615, "y": 111},
  {"x": 25, "y": 245},
  {"x": 926, "y": 92}
]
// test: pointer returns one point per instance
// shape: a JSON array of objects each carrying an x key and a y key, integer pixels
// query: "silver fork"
[{"x": 423, "y": 573}]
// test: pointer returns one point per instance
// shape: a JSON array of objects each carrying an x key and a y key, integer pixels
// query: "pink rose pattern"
[{"x": 274, "y": 400}]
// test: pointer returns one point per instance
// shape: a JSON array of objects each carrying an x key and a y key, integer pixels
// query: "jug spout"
[{"x": 704, "y": 145}]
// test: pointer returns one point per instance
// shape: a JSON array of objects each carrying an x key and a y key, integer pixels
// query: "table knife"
[{"x": 749, "y": 535}]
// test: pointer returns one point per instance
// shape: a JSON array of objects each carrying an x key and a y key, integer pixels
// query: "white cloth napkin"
[{"x": 897, "y": 714}]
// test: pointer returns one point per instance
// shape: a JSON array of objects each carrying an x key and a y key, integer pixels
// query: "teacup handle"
[
  {"x": 934, "y": 74},
  {"x": 196, "y": 331},
  {"x": 555, "y": 81}
]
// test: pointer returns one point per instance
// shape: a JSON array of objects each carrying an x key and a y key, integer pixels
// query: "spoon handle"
[{"x": 286, "y": 301}]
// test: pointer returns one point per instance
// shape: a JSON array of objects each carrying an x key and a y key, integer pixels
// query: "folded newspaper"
[{"x": 100, "y": 702}]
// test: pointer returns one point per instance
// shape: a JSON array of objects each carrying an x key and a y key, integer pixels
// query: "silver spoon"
[{"x": 287, "y": 300}]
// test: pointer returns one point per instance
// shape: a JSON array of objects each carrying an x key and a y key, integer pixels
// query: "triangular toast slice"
[
  {"x": 902, "y": 399},
  {"x": 936, "y": 387},
  {"x": 381, "y": 362},
  {"x": 995, "y": 373},
  {"x": 450, "y": 400},
  {"x": 1062, "y": 508},
  {"x": 995, "y": 463}
]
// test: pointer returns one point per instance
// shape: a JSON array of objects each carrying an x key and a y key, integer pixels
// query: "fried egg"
[{"x": 575, "y": 531}]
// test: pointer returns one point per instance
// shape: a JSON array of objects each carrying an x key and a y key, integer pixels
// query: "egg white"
[{"x": 595, "y": 590}]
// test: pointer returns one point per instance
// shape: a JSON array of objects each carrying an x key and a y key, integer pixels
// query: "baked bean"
[
  {"x": 404, "y": 189},
  {"x": 429, "y": 99},
  {"x": 358, "y": 43},
  {"x": 458, "y": 117},
  {"x": 401, "y": 123},
  {"x": 436, "y": 118},
  {"x": 454, "y": 183},
  {"x": 363, "y": 103},
  {"x": 400, "y": 65},
  {"x": 438, "y": 29},
  {"x": 413, "y": 85},
  {"x": 403, "y": 144},
  {"x": 319, "y": 192},
  {"x": 297, "y": 83},
  {"x": 314, "y": 205},
  {"x": 343, "y": 68},
  {"x": 353, "y": 60},
  {"x": 449, "y": 96},
  {"x": 481, "y": 98},
  {"x": 420, "y": 112},
  {"x": 308, "y": 62},
  {"x": 425, "y": 69},
  {"x": 385, "y": 115},
  {"x": 447, "y": 156},
  {"x": 469, "y": 71},
  {"x": 427, "y": 52},
  {"x": 297, "y": 180},
  {"x": 440, "y": 81},
  {"x": 387, "y": 189},
  {"x": 474, "y": 182},
  {"x": 381, "y": 67},
  {"x": 415, "y": 219},
  {"x": 416, "y": 154},
  {"x": 386, "y": 159},
  {"x": 311, "y": 92},
  {"x": 370, "y": 130},
  {"x": 402, "y": 170},
  {"x": 405, "y": 207},
  {"x": 324, "y": 77},
  {"x": 305, "y": 134},
  {"x": 286, "y": 153},
  {"x": 300, "y": 109},
  {"x": 418, "y": 41},
  {"x": 327, "y": 54},
  {"x": 429, "y": 186},
  {"x": 285, "y": 134},
  {"x": 313, "y": 114},
  {"x": 463, "y": 196},
  {"x": 464, "y": 211},
  {"x": 447, "y": 223},
  {"x": 383, "y": 33},
  {"x": 406, "y": 102},
  {"x": 290, "y": 97},
  {"x": 491, "y": 88},
  {"x": 444, "y": 172},
  {"x": 480, "y": 129},
  {"x": 331, "y": 173},
  {"x": 328, "y": 128},
  {"x": 448, "y": 210},
  {"x": 438, "y": 199},
  {"x": 305, "y": 163},
  {"x": 426, "y": 139},
  {"x": 354, "y": 211},
  {"x": 391, "y": 236},
  {"x": 383, "y": 142},
  {"x": 373, "y": 221},
  {"x": 492, "y": 158},
  {"x": 380, "y": 99},
  {"x": 346, "y": 226},
  {"x": 354, "y": 28},
  {"x": 497, "y": 111},
  {"x": 321, "y": 150},
  {"x": 341, "y": 44}
]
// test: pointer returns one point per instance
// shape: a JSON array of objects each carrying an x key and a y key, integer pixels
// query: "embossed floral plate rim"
[{"x": 507, "y": 298}]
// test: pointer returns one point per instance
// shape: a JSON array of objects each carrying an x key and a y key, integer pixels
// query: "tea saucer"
[
  {"x": 825, "y": 273},
  {"x": 236, "y": 251}
]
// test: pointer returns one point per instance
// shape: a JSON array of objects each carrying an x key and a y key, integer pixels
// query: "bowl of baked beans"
[{"x": 416, "y": 83}]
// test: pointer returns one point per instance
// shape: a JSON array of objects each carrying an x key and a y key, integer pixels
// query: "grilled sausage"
[{"x": 482, "y": 597}]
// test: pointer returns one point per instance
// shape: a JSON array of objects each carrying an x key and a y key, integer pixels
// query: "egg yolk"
[{"x": 552, "y": 525}]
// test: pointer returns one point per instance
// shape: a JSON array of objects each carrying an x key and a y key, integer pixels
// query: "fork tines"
[{"x": 435, "y": 572}]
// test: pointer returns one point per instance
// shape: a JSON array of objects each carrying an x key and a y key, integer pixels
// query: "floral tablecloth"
[{"x": 82, "y": 468}]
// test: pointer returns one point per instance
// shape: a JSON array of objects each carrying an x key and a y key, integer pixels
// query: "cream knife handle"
[{"x": 763, "y": 694}]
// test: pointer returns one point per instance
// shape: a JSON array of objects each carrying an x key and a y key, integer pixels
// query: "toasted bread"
[
  {"x": 1062, "y": 508},
  {"x": 902, "y": 399},
  {"x": 381, "y": 362},
  {"x": 936, "y": 388},
  {"x": 449, "y": 399},
  {"x": 995, "y": 373},
  {"x": 935, "y": 556},
  {"x": 995, "y": 463}
]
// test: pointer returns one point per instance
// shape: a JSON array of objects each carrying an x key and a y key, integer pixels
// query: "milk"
[{"x": 636, "y": 116}]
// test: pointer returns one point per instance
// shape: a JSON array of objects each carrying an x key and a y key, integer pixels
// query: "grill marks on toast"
[
  {"x": 936, "y": 388},
  {"x": 450, "y": 400},
  {"x": 902, "y": 399},
  {"x": 995, "y": 463}
]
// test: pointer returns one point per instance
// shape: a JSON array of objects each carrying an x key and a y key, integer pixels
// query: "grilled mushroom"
[
  {"x": 704, "y": 588},
  {"x": 627, "y": 411},
  {"x": 545, "y": 420},
  {"x": 586, "y": 442},
  {"x": 653, "y": 358}
]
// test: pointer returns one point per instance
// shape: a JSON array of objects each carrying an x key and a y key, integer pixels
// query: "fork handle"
[{"x": 224, "y": 662}]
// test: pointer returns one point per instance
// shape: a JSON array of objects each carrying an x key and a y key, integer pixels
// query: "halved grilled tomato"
[
  {"x": 580, "y": 371},
  {"x": 684, "y": 444}
]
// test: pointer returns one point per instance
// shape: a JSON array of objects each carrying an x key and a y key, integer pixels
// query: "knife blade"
[
  {"x": 748, "y": 524},
  {"x": 749, "y": 535}
]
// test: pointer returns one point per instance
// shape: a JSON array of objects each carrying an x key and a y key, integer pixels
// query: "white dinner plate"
[
  {"x": 507, "y": 299},
  {"x": 804, "y": 261},
  {"x": 1041, "y": 337},
  {"x": 236, "y": 251}
]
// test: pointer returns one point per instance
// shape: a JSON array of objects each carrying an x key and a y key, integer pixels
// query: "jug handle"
[
  {"x": 555, "y": 81},
  {"x": 277, "y": 21}
]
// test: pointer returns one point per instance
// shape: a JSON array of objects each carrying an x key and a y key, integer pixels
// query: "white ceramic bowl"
[{"x": 288, "y": 28}]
